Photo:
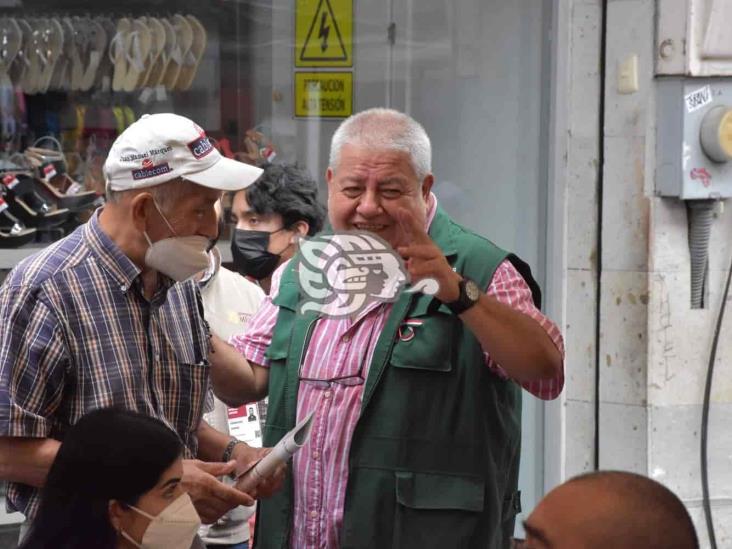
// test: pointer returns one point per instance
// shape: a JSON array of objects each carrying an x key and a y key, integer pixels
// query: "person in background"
[
  {"x": 115, "y": 484},
  {"x": 229, "y": 301},
  {"x": 609, "y": 510},
  {"x": 270, "y": 215}
]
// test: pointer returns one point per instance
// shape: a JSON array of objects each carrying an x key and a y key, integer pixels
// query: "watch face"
[{"x": 472, "y": 290}]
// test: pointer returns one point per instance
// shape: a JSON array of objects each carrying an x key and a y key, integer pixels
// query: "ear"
[
  {"x": 299, "y": 229},
  {"x": 329, "y": 174},
  {"x": 116, "y": 511},
  {"x": 427, "y": 186},
  {"x": 140, "y": 208}
]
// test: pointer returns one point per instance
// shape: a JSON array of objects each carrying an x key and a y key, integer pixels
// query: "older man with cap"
[{"x": 108, "y": 316}]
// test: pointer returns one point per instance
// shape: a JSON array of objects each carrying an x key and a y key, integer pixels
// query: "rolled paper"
[{"x": 287, "y": 447}]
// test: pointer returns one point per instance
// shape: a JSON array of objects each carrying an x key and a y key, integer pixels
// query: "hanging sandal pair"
[
  {"x": 54, "y": 183},
  {"x": 150, "y": 52}
]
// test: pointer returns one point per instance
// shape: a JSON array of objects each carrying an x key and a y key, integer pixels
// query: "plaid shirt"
[
  {"x": 79, "y": 335},
  {"x": 338, "y": 347}
]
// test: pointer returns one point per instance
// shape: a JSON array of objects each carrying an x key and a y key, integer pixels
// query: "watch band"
[
  {"x": 464, "y": 301},
  {"x": 230, "y": 449}
]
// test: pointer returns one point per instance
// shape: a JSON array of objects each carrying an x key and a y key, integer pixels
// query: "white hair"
[
  {"x": 166, "y": 195},
  {"x": 384, "y": 129}
]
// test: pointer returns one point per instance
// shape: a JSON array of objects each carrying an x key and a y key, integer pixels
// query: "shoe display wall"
[
  {"x": 75, "y": 74},
  {"x": 43, "y": 54}
]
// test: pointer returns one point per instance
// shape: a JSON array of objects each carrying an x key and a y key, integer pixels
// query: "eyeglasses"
[{"x": 348, "y": 381}]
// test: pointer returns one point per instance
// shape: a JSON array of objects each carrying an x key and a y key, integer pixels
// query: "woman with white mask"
[{"x": 115, "y": 484}]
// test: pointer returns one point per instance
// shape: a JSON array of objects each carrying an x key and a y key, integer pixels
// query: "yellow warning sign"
[
  {"x": 324, "y": 33},
  {"x": 323, "y": 94}
]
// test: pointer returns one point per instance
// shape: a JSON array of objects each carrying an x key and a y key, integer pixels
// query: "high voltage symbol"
[
  {"x": 324, "y": 41},
  {"x": 324, "y": 31}
]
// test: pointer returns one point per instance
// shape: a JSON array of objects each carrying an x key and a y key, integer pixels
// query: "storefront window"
[{"x": 272, "y": 80}]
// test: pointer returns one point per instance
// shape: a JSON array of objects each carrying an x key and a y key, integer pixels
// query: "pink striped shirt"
[{"x": 337, "y": 348}]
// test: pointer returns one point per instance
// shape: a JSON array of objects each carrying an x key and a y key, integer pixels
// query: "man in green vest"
[{"x": 416, "y": 433}]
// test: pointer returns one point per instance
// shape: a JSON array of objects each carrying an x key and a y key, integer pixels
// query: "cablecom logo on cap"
[
  {"x": 202, "y": 146},
  {"x": 149, "y": 170}
]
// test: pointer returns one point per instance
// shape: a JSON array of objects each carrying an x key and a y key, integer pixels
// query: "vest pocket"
[
  {"x": 425, "y": 342},
  {"x": 436, "y": 510}
]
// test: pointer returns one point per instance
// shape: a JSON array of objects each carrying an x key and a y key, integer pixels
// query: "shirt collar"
[{"x": 113, "y": 259}]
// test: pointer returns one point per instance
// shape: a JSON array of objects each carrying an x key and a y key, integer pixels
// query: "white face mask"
[
  {"x": 179, "y": 257},
  {"x": 174, "y": 528}
]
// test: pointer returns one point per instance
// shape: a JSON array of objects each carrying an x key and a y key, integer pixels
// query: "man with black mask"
[{"x": 270, "y": 215}]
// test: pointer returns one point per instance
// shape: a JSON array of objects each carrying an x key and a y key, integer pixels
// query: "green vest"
[{"x": 435, "y": 454}]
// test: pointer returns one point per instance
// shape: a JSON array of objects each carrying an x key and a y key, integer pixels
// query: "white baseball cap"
[{"x": 161, "y": 147}]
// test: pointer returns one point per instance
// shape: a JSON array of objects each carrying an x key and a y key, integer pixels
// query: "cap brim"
[{"x": 226, "y": 175}]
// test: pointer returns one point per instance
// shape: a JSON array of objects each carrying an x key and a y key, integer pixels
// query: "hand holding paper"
[{"x": 288, "y": 446}]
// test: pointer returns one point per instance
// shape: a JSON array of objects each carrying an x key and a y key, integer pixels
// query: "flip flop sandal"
[
  {"x": 21, "y": 63},
  {"x": 157, "y": 30},
  {"x": 78, "y": 50},
  {"x": 53, "y": 40},
  {"x": 105, "y": 72},
  {"x": 11, "y": 40},
  {"x": 36, "y": 58},
  {"x": 138, "y": 55},
  {"x": 117, "y": 53},
  {"x": 61, "y": 78},
  {"x": 193, "y": 58},
  {"x": 97, "y": 46},
  {"x": 184, "y": 41},
  {"x": 157, "y": 76}
]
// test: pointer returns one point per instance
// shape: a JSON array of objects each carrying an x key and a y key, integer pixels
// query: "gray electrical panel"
[{"x": 694, "y": 138}]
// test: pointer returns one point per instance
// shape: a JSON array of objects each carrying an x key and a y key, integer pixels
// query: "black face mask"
[{"x": 250, "y": 255}]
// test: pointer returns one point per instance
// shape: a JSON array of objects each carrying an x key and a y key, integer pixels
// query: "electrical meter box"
[{"x": 694, "y": 138}]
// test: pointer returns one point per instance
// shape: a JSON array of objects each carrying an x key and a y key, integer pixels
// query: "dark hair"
[
  {"x": 289, "y": 191},
  {"x": 648, "y": 514},
  {"x": 109, "y": 454}
]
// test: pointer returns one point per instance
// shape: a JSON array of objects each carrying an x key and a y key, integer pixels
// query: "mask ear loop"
[
  {"x": 129, "y": 538},
  {"x": 147, "y": 237},
  {"x": 124, "y": 534},
  {"x": 172, "y": 230},
  {"x": 291, "y": 243}
]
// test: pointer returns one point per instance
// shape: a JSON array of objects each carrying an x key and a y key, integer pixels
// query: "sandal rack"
[{"x": 84, "y": 53}]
